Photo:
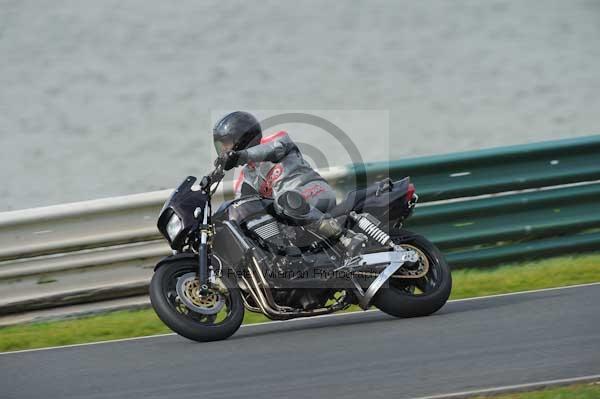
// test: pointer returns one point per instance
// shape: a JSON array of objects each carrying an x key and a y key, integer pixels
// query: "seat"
[
  {"x": 371, "y": 198},
  {"x": 348, "y": 203}
]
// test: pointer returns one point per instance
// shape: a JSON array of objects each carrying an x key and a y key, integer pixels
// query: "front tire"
[
  {"x": 417, "y": 297},
  {"x": 185, "y": 321}
]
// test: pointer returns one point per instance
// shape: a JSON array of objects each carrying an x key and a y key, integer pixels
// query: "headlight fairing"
[
  {"x": 174, "y": 226},
  {"x": 176, "y": 218}
]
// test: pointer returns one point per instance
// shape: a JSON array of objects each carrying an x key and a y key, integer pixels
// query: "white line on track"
[
  {"x": 514, "y": 388},
  {"x": 296, "y": 320}
]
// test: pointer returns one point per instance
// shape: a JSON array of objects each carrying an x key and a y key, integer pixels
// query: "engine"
[
  {"x": 268, "y": 232},
  {"x": 264, "y": 227}
]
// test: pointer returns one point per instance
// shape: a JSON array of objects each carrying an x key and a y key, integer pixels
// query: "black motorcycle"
[{"x": 251, "y": 255}]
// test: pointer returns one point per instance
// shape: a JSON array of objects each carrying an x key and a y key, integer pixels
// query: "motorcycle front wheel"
[
  {"x": 422, "y": 296},
  {"x": 176, "y": 301}
]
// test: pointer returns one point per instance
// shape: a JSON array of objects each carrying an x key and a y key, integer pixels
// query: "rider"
[{"x": 275, "y": 168}]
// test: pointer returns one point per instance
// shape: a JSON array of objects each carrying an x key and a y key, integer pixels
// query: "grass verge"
[
  {"x": 579, "y": 391},
  {"x": 554, "y": 272}
]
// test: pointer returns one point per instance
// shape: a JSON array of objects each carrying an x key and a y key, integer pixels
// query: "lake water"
[{"x": 103, "y": 98}]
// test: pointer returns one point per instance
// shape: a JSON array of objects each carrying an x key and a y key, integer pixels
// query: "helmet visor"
[{"x": 223, "y": 146}]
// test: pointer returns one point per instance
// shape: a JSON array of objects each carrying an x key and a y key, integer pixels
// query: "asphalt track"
[{"x": 468, "y": 345}]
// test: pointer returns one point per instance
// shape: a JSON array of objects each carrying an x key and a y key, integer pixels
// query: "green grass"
[
  {"x": 580, "y": 391},
  {"x": 553, "y": 272}
]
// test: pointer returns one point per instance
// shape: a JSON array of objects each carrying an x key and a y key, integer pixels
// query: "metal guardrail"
[
  {"x": 481, "y": 207},
  {"x": 504, "y": 204}
]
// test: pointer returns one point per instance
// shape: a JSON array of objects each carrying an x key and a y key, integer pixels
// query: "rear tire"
[
  {"x": 193, "y": 325},
  {"x": 396, "y": 299}
]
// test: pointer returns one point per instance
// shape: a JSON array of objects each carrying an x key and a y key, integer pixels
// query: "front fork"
[{"x": 203, "y": 263}]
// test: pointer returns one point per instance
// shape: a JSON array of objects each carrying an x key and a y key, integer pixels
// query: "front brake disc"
[{"x": 188, "y": 290}]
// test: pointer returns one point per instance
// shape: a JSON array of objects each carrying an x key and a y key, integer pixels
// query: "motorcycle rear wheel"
[
  {"x": 417, "y": 297},
  {"x": 185, "y": 321}
]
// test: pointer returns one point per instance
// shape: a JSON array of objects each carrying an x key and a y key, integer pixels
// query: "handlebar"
[{"x": 213, "y": 177}]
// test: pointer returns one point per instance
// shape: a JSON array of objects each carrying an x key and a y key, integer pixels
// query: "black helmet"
[{"x": 236, "y": 131}]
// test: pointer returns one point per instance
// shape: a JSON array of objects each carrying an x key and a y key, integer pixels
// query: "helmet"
[{"x": 236, "y": 131}]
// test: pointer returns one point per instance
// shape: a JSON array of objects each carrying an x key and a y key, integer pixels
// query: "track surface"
[{"x": 468, "y": 345}]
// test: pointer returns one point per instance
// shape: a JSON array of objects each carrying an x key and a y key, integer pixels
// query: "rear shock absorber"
[{"x": 370, "y": 228}]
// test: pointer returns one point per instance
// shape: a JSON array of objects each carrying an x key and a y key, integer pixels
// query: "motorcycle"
[{"x": 249, "y": 255}]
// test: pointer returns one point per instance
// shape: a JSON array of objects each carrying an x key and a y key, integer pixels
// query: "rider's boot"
[{"x": 352, "y": 242}]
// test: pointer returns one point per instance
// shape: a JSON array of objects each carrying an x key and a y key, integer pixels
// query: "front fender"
[
  {"x": 190, "y": 256},
  {"x": 177, "y": 256}
]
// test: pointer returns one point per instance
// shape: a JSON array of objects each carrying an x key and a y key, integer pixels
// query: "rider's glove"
[{"x": 234, "y": 158}]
